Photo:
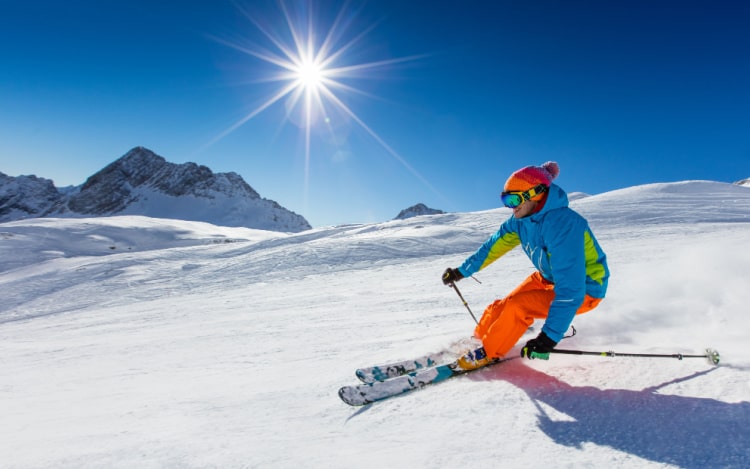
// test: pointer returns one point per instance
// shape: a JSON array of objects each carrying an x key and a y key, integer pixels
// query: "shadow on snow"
[{"x": 689, "y": 432}]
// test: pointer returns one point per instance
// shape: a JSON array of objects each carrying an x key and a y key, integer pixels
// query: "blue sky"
[{"x": 455, "y": 96}]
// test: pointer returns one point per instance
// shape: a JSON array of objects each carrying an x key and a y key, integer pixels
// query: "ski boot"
[{"x": 474, "y": 359}]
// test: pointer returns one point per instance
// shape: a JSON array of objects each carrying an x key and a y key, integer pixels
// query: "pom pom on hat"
[
  {"x": 531, "y": 176},
  {"x": 553, "y": 169}
]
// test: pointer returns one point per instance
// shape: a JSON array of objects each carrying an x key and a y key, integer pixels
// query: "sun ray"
[
  {"x": 269, "y": 35},
  {"x": 313, "y": 72},
  {"x": 285, "y": 91},
  {"x": 345, "y": 70},
  {"x": 382, "y": 142},
  {"x": 335, "y": 55}
]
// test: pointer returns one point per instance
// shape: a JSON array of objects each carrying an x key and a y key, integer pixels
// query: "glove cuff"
[{"x": 546, "y": 341}]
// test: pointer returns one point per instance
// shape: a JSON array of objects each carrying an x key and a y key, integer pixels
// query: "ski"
[
  {"x": 393, "y": 370},
  {"x": 366, "y": 393}
]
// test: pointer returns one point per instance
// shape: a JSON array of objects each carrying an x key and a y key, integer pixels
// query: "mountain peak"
[
  {"x": 144, "y": 183},
  {"x": 140, "y": 156},
  {"x": 417, "y": 210},
  {"x": 26, "y": 196},
  {"x": 136, "y": 167}
]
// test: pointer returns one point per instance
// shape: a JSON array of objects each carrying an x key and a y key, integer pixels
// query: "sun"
[
  {"x": 313, "y": 71},
  {"x": 310, "y": 75}
]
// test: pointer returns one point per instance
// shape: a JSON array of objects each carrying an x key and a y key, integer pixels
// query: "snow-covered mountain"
[
  {"x": 577, "y": 195},
  {"x": 26, "y": 196},
  {"x": 417, "y": 210},
  {"x": 143, "y": 183},
  {"x": 191, "y": 345}
]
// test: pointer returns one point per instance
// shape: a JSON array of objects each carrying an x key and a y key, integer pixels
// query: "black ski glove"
[
  {"x": 538, "y": 348},
  {"x": 451, "y": 276}
]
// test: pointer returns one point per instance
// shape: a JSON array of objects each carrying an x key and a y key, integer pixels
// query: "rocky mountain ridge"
[
  {"x": 144, "y": 183},
  {"x": 417, "y": 210}
]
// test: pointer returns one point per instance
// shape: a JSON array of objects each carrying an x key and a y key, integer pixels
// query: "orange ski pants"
[{"x": 506, "y": 320}]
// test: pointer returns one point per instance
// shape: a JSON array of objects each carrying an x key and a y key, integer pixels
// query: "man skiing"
[{"x": 571, "y": 276}]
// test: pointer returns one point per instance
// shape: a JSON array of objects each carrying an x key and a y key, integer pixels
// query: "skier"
[{"x": 571, "y": 276}]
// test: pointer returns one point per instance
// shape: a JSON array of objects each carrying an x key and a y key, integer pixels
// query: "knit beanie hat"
[{"x": 531, "y": 176}]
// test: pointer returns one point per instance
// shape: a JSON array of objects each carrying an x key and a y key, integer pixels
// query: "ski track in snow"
[{"x": 204, "y": 346}]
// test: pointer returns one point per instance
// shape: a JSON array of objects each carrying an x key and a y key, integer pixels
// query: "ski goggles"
[{"x": 513, "y": 199}]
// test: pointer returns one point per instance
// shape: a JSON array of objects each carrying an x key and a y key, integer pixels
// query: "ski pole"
[
  {"x": 453, "y": 285},
  {"x": 711, "y": 355}
]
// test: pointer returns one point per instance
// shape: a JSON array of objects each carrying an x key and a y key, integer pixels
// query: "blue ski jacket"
[{"x": 560, "y": 244}]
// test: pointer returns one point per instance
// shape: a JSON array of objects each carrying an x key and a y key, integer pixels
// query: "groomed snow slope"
[{"x": 175, "y": 350}]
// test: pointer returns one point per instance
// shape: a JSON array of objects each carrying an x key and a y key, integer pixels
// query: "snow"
[
  {"x": 228, "y": 208},
  {"x": 193, "y": 345},
  {"x": 144, "y": 183}
]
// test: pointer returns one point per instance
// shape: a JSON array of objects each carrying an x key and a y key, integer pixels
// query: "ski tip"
[
  {"x": 713, "y": 356},
  {"x": 344, "y": 395},
  {"x": 349, "y": 396}
]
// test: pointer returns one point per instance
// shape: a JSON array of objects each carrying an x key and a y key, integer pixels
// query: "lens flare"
[{"x": 311, "y": 73}]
